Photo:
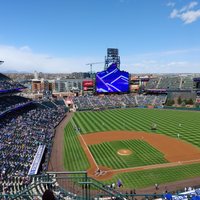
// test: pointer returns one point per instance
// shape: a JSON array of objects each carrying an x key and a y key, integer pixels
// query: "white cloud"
[
  {"x": 192, "y": 4},
  {"x": 23, "y": 59},
  {"x": 176, "y": 52},
  {"x": 189, "y": 6},
  {"x": 174, "y": 13},
  {"x": 171, "y": 4},
  {"x": 163, "y": 62},
  {"x": 190, "y": 16},
  {"x": 25, "y": 48},
  {"x": 176, "y": 63},
  {"x": 186, "y": 14},
  {"x": 161, "y": 66}
]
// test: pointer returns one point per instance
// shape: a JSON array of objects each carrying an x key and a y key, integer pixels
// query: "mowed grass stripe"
[
  {"x": 167, "y": 121},
  {"x": 142, "y": 154},
  {"x": 102, "y": 123},
  {"x": 79, "y": 120},
  {"x": 141, "y": 179},
  {"x": 111, "y": 120},
  {"x": 107, "y": 153},
  {"x": 88, "y": 124},
  {"x": 104, "y": 119},
  {"x": 74, "y": 156}
]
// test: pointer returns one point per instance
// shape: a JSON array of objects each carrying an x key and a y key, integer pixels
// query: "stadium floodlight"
[
  {"x": 112, "y": 57},
  {"x": 1, "y": 62}
]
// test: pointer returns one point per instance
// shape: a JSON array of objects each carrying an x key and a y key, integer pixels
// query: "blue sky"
[{"x": 153, "y": 36}]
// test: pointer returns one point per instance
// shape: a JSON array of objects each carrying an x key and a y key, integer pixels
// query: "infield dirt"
[
  {"x": 175, "y": 150},
  {"x": 56, "y": 159}
]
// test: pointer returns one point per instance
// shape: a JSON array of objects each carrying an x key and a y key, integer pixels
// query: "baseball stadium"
[{"x": 123, "y": 137}]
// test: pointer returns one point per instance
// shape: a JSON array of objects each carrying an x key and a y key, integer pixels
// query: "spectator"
[
  {"x": 21, "y": 134},
  {"x": 48, "y": 195},
  {"x": 119, "y": 183},
  {"x": 156, "y": 186}
]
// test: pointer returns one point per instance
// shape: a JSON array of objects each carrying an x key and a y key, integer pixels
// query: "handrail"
[{"x": 68, "y": 172}]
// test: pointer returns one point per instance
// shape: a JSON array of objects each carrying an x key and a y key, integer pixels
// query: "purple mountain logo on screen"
[{"x": 112, "y": 80}]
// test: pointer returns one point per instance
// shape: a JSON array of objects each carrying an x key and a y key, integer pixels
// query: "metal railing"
[{"x": 72, "y": 185}]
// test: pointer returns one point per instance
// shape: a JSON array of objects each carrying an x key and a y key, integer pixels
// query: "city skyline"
[{"x": 62, "y": 36}]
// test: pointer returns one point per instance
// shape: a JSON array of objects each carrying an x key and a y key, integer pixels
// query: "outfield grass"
[
  {"x": 141, "y": 179},
  {"x": 74, "y": 156},
  {"x": 143, "y": 153},
  {"x": 169, "y": 122}
]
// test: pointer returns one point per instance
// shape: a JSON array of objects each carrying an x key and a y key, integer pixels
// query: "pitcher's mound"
[{"x": 124, "y": 152}]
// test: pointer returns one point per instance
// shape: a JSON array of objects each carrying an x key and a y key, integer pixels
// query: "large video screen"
[{"x": 112, "y": 80}]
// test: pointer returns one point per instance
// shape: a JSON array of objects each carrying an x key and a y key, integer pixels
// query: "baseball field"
[{"x": 122, "y": 144}]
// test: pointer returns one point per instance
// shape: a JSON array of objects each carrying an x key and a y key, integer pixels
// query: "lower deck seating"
[
  {"x": 21, "y": 134},
  {"x": 118, "y": 101}
]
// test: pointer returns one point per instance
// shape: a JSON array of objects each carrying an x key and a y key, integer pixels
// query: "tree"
[
  {"x": 190, "y": 101},
  {"x": 179, "y": 100},
  {"x": 170, "y": 102}
]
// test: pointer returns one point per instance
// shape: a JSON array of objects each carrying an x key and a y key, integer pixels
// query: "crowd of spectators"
[
  {"x": 117, "y": 101},
  {"x": 21, "y": 134},
  {"x": 8, "y": 84},
  {"x": 10, "y": 102},
  {"x": 188, "y": 193}
]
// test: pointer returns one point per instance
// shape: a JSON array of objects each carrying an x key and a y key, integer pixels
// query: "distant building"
[
  {"x": 39, "y": 86},
  {"x": 52, "y": 85},
  {"x": 68, "y": 85},
  {"x": 36, "y": 86},
  {"x": 36, "y": 76}
]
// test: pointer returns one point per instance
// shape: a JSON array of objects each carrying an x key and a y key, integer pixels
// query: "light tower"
[{"x": 112, "y": 57}]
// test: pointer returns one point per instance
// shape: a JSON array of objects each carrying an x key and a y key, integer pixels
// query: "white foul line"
[{"x": 74, "y": 125}]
